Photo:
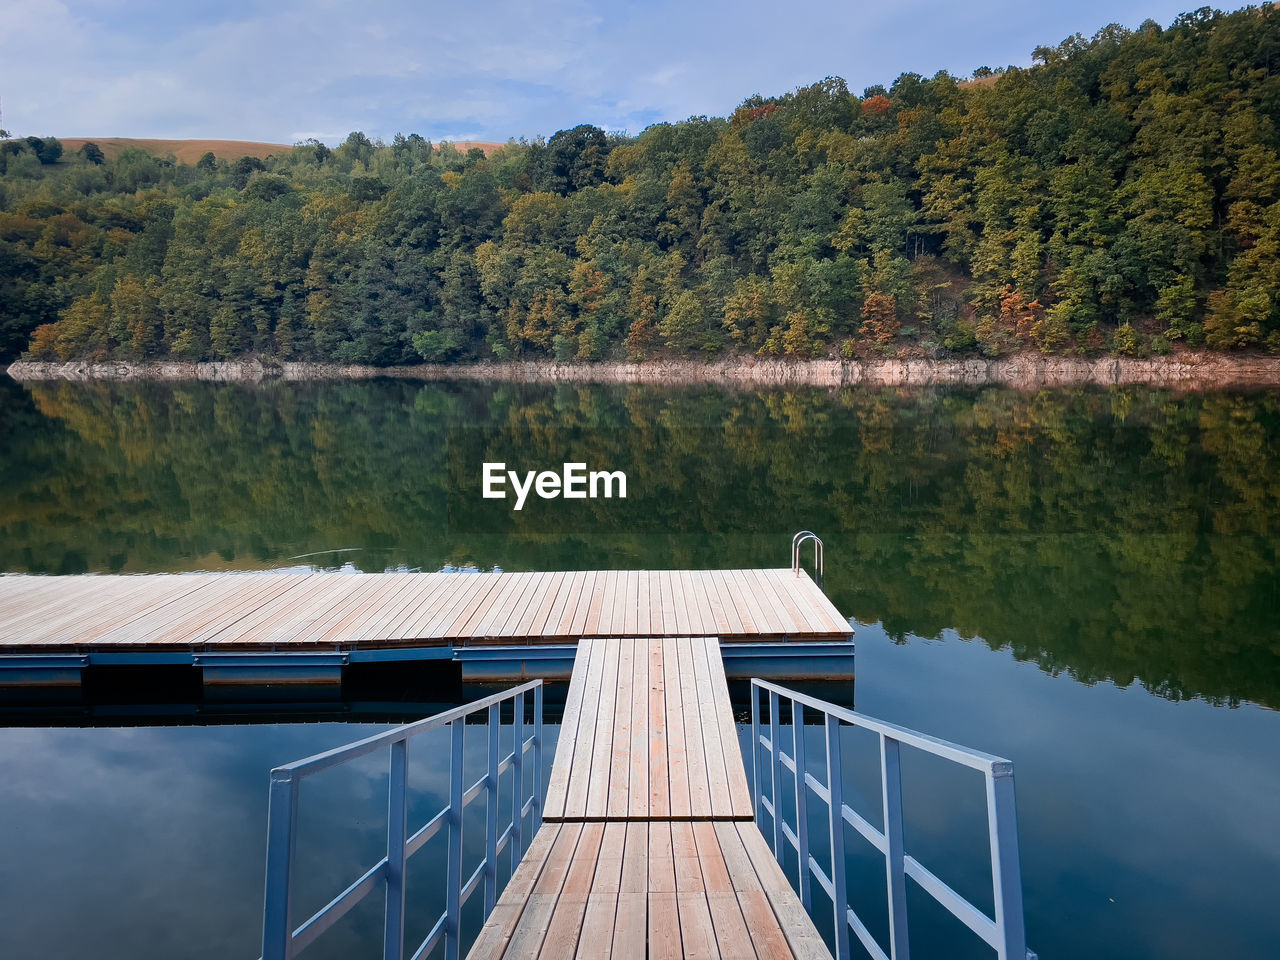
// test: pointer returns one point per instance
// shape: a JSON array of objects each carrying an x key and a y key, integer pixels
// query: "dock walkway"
[
  {"x": 282, "y": 612},
  {"x": 648, "y": 847}
]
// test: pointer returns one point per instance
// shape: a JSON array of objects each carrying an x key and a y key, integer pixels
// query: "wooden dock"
[
  {"x": 648, "y": 848},
  {"x": 283, "y": 612}
]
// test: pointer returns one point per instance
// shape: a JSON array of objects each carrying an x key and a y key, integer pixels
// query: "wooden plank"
[
  {"x": 608, "y": 868},
  {"x": 638, "y": 750},
  {"x": 609, "y": 605},
  {"x": 446, "y": 619},
  {"x": 683, "y": 626},
  {"x": 634, "y": 877},
  {"x": 677, "y": 760},
  {"x": 181, "y": 615},
  {"x": 535, "y": 625},
  {"x": 350, "y": 624},
  {"x": 644, "y": 609},
  {"x": 582, "y": 611},
  {"x": 470, "y": 617},
  {"x": 664, "y": 928},
  {"x": 597, "y": 927},
  {"x": 498, "y": 607},
  {"x": 557, "y": 788},
  {"x": 705, "y": 585},
  {"x": 436, "y": 588},
  {"x": 283, "y": 627},
  {"x": 715, "y": 871},
  {"x": 761, "y": 619},
  {"x": 631, "y": 603},
  {"x": 695, "y": 752},
  {"x": 802, "y": 938},
  {"x": 579, "y": 772},
  {"x": 659, "y": 778},
  {"x": 630, "y": 927},
  {"x": 619, "y": 796},
  {"x": 103, "y": 600},
  {"x": 765, "y": 593},
  {"x": 561, "y": 619},
  {"x": 319, "y": 621},
  {"x": 824, "y": 615},
  {"x": 719, "y": 580},
  {"x": 731, "y": 749},
  {"x": 767, "y": 937},
  {"x": 531, "y": 931},
  {"x": 697, "y": 933},
  {"x": 501, "y": 923},
  {"x": 606, "y": 724},
  {"x": 701, "y": 620},
  {"x": 717, "y": 762},
  {"x": 662, "y": 867},
  {"x": 524, "y": 609},
  {"x": 666, "y": 601},
  {"x": 786, "y": 591},
  {"x": 731, "y": 935},
  {"x": 254, "y": 626},
  {"x": 738, "y": 866},
  {"x": 608, "y": 878},
  {"x": 684, "y": 855}
]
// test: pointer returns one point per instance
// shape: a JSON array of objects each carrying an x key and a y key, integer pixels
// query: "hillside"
[
  {"x": 188, "y": 151},
  {"x": 1122, "y": 196}
]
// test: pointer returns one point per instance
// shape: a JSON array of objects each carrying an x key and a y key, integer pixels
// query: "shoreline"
[{"x": 1188, "y": 371}]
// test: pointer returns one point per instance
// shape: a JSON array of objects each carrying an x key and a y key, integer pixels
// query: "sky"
[{"x": 286, "y": 70}]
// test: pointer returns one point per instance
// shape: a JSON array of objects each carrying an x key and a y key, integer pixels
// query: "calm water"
[{"x": 1083, "y": 581}]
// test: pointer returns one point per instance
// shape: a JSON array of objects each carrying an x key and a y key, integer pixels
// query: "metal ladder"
[{"x": 797, "y": 542}]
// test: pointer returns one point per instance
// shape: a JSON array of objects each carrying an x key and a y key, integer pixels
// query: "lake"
[{"x": 1084, "y": 581}]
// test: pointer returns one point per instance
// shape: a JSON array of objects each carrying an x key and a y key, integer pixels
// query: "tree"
[{"x": 91, "y": 152}]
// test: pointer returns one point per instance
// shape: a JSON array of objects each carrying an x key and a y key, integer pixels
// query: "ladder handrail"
[{"x": 818, "y": 551}]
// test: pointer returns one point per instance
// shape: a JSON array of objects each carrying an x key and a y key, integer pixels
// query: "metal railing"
[
  {"x": 797, "y": 542},
  {"x": 1005, "y": 933},
  {"x": 281, "y": 940}
]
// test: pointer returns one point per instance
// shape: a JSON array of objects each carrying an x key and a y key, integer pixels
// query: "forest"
[{"x": 1121, "y": 195}]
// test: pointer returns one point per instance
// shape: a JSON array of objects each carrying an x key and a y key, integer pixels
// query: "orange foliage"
[
  {"x": 42, "y": 341},
  {"x": 1019, "y": 315},
  {"x": 880, "y": 318},
  {"x": 878, "y": 105}
]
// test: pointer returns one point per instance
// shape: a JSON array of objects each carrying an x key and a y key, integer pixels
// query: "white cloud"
[{"x": 258, "y": 70}]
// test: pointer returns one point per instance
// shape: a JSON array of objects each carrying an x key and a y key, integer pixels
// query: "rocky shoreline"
[{"x": 1187, "y": 370}]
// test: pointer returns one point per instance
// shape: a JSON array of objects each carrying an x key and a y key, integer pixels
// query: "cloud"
[{"x": 248, "y": 69}]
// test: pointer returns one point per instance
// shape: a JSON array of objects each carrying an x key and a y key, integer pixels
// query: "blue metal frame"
[
  {"x": 281, "y": 940},
  {"x": 1005, "y": 933}
]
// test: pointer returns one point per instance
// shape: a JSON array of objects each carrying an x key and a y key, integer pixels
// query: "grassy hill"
[{"x": 189, "y": 151}]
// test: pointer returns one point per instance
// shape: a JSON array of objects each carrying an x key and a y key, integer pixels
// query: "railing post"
[
  {"x": 536, "y": 822},
  {"x": 755, "y": 752},
  {"x": 1006, "y": 873},
  {"x": 775, "y": 773},
  {"x": 282, "y": 815},
  {"x": 397, "y": 833},
  {"x": 895, "y": 875},
  {"x": 453, "y": 872},
  {"x": 835, "y": 820},
  {"x": 491, "y": 815},
  {"x": 802, "y": 790},
  {"x": 517, "y": 777}
]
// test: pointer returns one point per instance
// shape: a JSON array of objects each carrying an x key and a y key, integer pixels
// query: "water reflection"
[
  {"x": 1112, "y": 555},
  {"x": 1125, "y": 535}
]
